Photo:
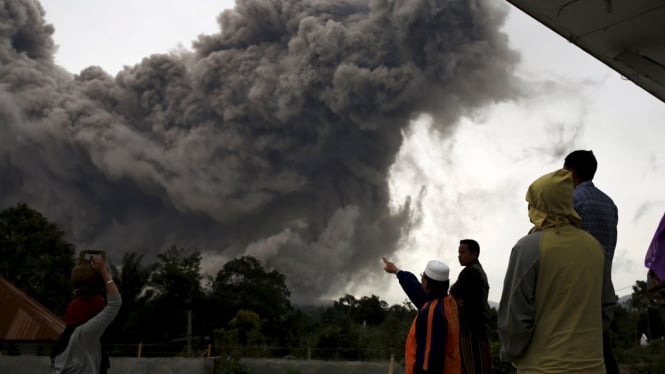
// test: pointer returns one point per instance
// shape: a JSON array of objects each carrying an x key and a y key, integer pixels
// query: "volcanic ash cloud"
[{"x": 273, "y": 138}]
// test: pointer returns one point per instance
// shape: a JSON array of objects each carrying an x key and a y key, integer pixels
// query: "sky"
[{"x": 471, "y": 142}]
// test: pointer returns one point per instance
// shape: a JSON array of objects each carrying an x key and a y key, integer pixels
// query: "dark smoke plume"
[{"x": 274, "y": 138}]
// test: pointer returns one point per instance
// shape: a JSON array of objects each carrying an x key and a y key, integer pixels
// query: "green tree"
[
  {"x": 396, "y": 327},
  {"x": 365, "y": 328},
  {"x": 244, "y": 284},
  {"x": 650, "y": 320},
  {"x": 339, "y": 342},
  {"x": 366, "y": 310},
  {"x": 35, "y": 257},
  {"x": 623, "y": 328},
  {"x": 176, "y": 283},
  {"x": 242, "y": 337},
  {"x": 132, "y": 278},
  {"x": 370, "y": 310}
]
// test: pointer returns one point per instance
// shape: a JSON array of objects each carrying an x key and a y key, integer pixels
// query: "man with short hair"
[
  {"x": 471, "y": 291},
  {"x": 556, "y": 297},
  {"x": 432, "y": 345},
  {"x": 598, "y": 212},
  {"x": 599, "y": 217}
]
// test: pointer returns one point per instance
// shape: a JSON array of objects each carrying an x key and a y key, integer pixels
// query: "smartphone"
[{"x": 86, "y": 255}]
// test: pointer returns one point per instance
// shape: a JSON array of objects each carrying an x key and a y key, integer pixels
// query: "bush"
[{"x": 229, "y": 365}]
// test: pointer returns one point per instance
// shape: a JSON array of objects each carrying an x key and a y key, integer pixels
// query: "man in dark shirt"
[
  {"x": 470, "y": 291},
  {"x": 598, "y": 212},
  {"x": 599, "y": 218}
]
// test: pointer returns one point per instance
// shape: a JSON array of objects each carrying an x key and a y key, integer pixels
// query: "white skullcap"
[{"x": 437, "y": 270}]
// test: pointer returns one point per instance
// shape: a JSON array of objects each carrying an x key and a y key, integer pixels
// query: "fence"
[
  {"x": 29, "y": 364},
  {"x": 143, "y": 358}
]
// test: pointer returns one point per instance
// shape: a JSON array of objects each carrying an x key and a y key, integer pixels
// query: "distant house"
[{"x": 22, "y": 318}]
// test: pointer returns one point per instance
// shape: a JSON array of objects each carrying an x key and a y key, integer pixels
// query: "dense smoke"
[{"x": 274, "y": 138}]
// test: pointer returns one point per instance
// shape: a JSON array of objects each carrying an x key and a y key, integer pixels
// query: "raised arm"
[{"x": 92, "y": 330}]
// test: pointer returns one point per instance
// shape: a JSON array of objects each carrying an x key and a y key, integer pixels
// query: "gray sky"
[{"x": 467, "y": 181}]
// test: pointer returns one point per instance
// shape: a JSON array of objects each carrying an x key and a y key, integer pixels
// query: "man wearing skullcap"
[{"x": 432, "y": 345}]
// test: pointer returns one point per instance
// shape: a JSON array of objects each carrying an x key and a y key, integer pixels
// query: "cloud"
[{"x": 275, "y": 137}]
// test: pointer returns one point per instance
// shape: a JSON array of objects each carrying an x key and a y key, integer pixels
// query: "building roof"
[
  {"x": 626, "y": 35},
  {"x": 23, "y": 318}
]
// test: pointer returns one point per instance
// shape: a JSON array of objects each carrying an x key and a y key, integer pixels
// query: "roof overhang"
[
  {"x": 627, "y": 35},
  {"x": 23, "y": 318}
]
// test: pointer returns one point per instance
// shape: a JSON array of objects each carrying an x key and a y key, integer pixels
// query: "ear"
[
  {"x": 576, "y": 178},
  {"x": 425, "y": 285}
]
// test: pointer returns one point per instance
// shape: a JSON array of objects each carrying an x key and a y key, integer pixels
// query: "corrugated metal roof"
[
  {"x": 627, "y": 35},
  {"x": 23, "y": 318}
]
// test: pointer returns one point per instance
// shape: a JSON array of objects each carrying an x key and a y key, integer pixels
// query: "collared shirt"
[
  {"x": 599, "y": 215},
  {"x": 472, "y": 288}
]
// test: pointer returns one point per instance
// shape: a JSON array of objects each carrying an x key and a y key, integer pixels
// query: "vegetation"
[
  {"x": 244, "y": 310},
  {"x": 34, "y": 253}
]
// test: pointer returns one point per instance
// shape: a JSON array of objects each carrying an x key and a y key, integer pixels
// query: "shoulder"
[
  {"x": 529, "y": 242},
  {"x": 586, "y": 239},
  {"x": 587, "y": 190},
  {"x": 527, "y": 249},
  {"x": 474, "y": 270}
]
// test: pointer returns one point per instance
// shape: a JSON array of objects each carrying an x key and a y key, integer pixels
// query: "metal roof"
[
  {"x": 23, "y": 318},
  {"x": 627, "y": 35}
]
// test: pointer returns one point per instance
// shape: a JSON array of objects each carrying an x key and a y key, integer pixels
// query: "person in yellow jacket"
[
  {"x": 557, "y": 293},
  {"x": 432, "y": 345}
]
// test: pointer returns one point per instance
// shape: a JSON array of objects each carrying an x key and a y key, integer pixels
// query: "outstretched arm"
[
  {"x": 409, "y": 282},
  {"x": 389, "y": 266}
]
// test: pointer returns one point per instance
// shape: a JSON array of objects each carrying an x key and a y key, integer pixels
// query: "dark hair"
[
  {"x": 583, "y": 162},
  {"x": 473, "y": 245},
  {"x": 437, "y": 288}
]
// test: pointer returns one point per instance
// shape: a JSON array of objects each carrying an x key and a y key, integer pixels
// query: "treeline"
[{"x": 244, "y": 309}]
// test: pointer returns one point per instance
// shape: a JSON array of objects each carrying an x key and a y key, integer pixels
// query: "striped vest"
[{"x": 429, "y": 349}]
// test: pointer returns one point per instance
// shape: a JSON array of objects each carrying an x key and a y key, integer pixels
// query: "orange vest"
[{"x": 452, "y": 363}]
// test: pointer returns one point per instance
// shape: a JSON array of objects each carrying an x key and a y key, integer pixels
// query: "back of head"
[
  {"x": 550, "y": 200},
  {"x": 583, "y": 162}
]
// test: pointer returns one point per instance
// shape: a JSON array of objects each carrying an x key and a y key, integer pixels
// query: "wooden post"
[
  {"x": 189, "y": 333},
  {"x": 140, "y": 349},
  {"x": 209, "y": 350},
  {"x": 391, "y": 367}
]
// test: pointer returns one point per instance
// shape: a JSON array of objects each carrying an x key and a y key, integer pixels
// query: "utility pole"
[{"x": 189, "y": 333}]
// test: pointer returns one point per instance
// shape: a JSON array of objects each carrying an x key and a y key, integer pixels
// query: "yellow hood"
[{"x": 550, "y": 200}]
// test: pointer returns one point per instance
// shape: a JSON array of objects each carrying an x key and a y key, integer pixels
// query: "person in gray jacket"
[
  {"x": 79, "y": 349},
  {"x": 557, "y": 293}
]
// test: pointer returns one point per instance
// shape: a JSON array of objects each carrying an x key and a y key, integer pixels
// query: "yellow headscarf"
[{"x": 550, "y": 200}]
